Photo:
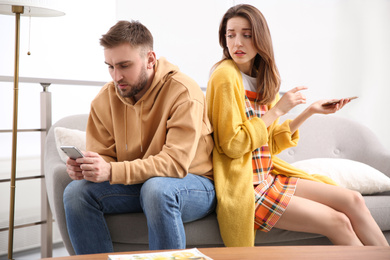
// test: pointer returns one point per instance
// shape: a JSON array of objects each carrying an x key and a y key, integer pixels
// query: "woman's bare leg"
[
  {"x": 336, "y": 200},
  {"x": 305, "y": 215}
]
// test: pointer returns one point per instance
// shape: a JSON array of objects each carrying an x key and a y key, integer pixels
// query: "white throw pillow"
[
  {"x": 347, "y": 173},
  {"x": 67, "y": 136}
]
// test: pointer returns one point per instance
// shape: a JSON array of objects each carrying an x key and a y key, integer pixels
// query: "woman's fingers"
[{"x": 299, "y": 88}]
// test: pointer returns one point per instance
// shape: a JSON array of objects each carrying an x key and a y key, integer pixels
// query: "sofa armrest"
[{"x": 56, "y": 177}]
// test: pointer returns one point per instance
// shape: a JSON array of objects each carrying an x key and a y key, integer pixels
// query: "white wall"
[
  {"x": 338, "y": 48},
  {"x": 65, "y": 47}
]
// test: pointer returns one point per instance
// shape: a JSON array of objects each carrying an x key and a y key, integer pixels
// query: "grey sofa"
[{"x": 321, "y": 136}]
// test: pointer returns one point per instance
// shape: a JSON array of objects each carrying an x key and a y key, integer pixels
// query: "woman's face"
[{"x": 239, "y": 42}]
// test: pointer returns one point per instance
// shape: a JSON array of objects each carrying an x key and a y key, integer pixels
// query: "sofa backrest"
[{"x": 331, "y": 136}]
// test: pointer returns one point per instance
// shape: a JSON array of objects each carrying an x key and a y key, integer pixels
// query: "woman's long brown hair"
[{"x": 264, "y": 67}]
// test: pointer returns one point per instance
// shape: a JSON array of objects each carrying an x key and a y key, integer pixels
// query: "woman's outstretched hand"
[
  {"x": 318, "y": 108},
  {"x": 295, "y": 97},
  {"x": 315, "y": 108}
]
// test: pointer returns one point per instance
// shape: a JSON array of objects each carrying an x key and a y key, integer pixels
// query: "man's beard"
[{"x": 134, "y": 89}]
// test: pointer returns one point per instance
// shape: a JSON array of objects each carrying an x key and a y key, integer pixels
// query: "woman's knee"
[
  {"x": 358, "y": 199},
  {"x": 342, "y": 221},
  {"x": 340, "y": 231},
  {"x": 339, "y": 228},
  {"x": 357, "y": 203}
]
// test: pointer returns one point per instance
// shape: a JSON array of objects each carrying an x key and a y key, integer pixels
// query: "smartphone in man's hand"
[{"x": 72, "y": 151}]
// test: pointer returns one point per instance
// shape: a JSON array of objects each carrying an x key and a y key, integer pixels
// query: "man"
[{"x": 149, "y": 148}]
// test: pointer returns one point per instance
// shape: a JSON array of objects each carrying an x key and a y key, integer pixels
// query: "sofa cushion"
[
  {"x": 348, "y": 174},
  {"x": 67, "y": 136}
]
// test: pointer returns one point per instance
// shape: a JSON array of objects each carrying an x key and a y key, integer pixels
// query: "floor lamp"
[{"x": 28, "y": 8}]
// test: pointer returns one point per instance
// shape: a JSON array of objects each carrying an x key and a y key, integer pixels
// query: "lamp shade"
[{"x": 40, "y": 8}]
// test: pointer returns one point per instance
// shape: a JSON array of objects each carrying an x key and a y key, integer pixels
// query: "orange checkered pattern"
[
  {"x": 271, "y": 198},
  {"x": 272, "y": 192},
  {"x": 261, "y": 157}
]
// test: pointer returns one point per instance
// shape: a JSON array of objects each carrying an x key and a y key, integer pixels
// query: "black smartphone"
[
  {"x": 72, "y": 151},
  {"x": 330, "y": 103}
]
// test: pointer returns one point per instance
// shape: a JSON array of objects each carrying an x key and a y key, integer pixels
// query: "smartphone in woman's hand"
[{"x": 334, "y": 102}]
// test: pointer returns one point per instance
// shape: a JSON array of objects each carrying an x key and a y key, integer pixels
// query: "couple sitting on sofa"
[{"x": 151, "y": 148}]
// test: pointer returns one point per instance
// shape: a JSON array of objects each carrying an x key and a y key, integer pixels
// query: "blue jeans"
[{"x": 166, "y": 202}]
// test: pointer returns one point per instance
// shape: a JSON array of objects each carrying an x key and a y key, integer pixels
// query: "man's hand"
[
  {"x": 73, "y": 169},
  {"x": 91, "y": 168}
]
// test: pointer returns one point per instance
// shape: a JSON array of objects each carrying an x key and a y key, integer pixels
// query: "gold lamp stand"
[
  {"x": 40, "y": 8},
  {"x": 17, "y": 10}
]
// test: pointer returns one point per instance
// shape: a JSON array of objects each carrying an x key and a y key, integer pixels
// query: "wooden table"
[{"x": 274, "y": 253}]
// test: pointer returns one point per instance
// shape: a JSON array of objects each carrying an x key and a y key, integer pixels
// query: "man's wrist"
[{"x": 109, "y": 172}]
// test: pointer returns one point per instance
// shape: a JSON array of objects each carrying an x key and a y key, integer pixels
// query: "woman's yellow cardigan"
[{"x": 235, "y": 138}]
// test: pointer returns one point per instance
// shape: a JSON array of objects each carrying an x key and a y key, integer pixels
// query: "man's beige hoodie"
[{"x": 165, "y": 133}]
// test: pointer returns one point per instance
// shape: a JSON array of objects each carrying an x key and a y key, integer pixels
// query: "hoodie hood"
[{"x": 162, "y": 72}]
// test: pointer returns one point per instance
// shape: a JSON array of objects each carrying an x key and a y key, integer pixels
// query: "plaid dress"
[{"x": 272, "y": 192}]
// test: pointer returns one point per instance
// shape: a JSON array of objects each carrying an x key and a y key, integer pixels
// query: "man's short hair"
[{"x": 133, "y": 32}]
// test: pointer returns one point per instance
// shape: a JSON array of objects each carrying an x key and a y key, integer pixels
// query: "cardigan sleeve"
[
  {"x": 279, "y": 135},
  {"x": 234, "y": 134},
  {"x": 281, "y": 138}
]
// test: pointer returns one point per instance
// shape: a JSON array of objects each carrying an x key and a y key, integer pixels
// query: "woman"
[{"x": 255, "y": 189}]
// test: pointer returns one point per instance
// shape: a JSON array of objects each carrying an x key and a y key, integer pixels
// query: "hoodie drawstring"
[
  {"x": 140, "y": 121},
  {"x": 126, "y": 127}
]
